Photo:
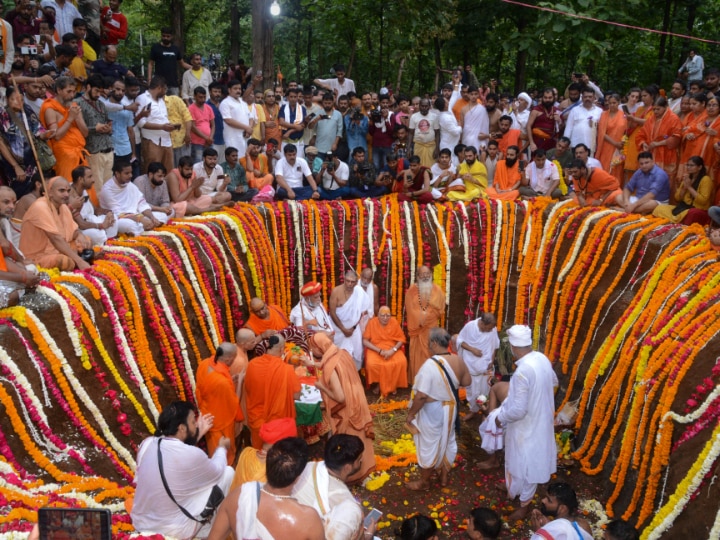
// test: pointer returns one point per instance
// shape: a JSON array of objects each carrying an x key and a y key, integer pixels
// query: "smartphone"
[
  {"x": 148, "y": 106},
  {"x": 221, "y": 177},
  {"x": 374, "y": 515},
  {"x": 88, "y": 523}
]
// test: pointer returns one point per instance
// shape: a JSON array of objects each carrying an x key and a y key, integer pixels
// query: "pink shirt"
[{"x": 201, "y": 119}]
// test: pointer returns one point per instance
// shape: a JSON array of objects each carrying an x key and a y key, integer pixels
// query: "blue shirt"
[
  {"x": 218, "y": 136},
  {"x": 122, "y": 120},
  {"x": 656, "y": 181},
  {"x": 356, "y": 134}
]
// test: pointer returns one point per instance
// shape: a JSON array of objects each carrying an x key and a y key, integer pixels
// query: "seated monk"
[
  {"x": 216, "y": 395},
  {"x": 507, "y": 177},
  {"x": 270, "y": 389},
  {"x": 184, "y": 187},
  {"x": 256, "y": 165},
  {"x": 593, "y": 187},
  {"x": 385, "y": 360},
  {"x": 265, "y": 319},
  {"x": 414, "y": 184},
  {"x": 473, "y": 174},
  {"x": 251, "y": 463},
  {"x": 50, "y": 237}
]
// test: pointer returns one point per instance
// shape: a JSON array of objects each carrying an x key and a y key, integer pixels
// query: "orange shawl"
[
  {"x": 70, "y": 150},
  {"x": 511, "y": 138},
  {"x": 668, "y": 128},
  {"x": 215, "y": 392},
  {"x": 419, "y": 319},
  {"x": 269, "y": 388},
  {"x": 614, "y": 127},
  {"x": 385, "y": 337},
  {"x": 276, "y": 321},
  {"x": 599, "y": 183}
]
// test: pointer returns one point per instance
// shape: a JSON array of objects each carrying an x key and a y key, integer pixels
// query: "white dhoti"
[
  {"x": 354, "y": 313},
  {"x": 128, "y": 200},
  {"x": 562, "y": 529},
  {"x": 247, "y": 525},
  {"x": 476, "y": 121},
  {"x": 490, "y": 434},
  {"x": 480, "y": 367},
  {"x": 435, "y": 441}
]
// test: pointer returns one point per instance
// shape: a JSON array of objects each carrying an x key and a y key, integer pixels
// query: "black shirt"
[{"x": 166, "y": 62}]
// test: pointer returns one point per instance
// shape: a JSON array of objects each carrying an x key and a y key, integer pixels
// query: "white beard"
[{"x": 425, "y": 288}]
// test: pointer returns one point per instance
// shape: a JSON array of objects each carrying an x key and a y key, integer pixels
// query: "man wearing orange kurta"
[
  {"x": 424, "y": 305},
  {"x": 385, "y": 361},
  {"x": 344, "y": 398},
  {"x": 661, "y": 136},
  {"x": 50, "y": 237},
  {"x": 271, "y": 388},
  {"x": 216, "y": 395},
  {"x": 507, "y": 137},
  {"x": 265, "y": 319},
  {"x": 256, "y": 166},
  {"x": 507, "y": 177},
  {"x": 593, "y": 187}
]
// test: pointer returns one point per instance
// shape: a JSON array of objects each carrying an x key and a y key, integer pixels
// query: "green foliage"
[{"x": 373, "y": 38}]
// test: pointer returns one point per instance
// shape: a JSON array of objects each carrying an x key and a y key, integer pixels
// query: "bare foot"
[
  {"x": 520, "y": 513},
  {"x": 470, "y": 416},
  {"x": 444, "y": 478},
  {"x": 492, "y": 463},
  {"x": 418, "y": 485}
]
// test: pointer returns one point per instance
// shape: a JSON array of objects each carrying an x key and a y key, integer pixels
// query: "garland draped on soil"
[{"x": 627, "y": 307}]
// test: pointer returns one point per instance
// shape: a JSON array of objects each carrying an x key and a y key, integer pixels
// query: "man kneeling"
[{"x": 269, "y": 511}]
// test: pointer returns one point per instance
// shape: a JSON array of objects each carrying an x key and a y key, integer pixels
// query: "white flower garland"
[
  {"x": 72, "y": 331},
  {"x": 466, "y": 243},
  {"x": 447, "y": 250},
  {"x": 528, "y": 230},
  {"x": 180, "y": 250},
  {"x": 409, "y": 228},
  {"x": 498, "y": 234},
  {"x": 690, "y": 417},
  {"x": 81, "y": 393},
  {"x": 298, "y": 240},
  {"x": 546, "y": 230},
  {"x": 72, "y": 289},
  {"x": 164, "y": 303},
  {"x": 371, "y": 245},
  {"x": 6, "y": 360},
  {"x": 579, "y": 240}
]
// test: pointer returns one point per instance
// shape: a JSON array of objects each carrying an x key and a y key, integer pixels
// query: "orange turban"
[
  {"x": 272, "y": 432},
  {"x": 310, "y": 288}
]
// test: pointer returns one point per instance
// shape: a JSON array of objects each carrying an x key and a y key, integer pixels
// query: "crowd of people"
[{"x": 294, "y": 379}]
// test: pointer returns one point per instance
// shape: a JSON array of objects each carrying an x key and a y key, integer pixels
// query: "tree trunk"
[
  {"x": 297, "y": 49},
  {"x": 438, "y": 62},
  {"x": 262, "y": 38},
  {"x": 177, "y": 12},
  {"x": 234, "y": 31},
  {"x": 400, "y": 72},
  {"x": 353, "y": 48},
  {"x": 520, "y": 71},
  {"x": 311, "y": 72},
  {"x": 663, "y": 37},
  {"x": 382, "y": 39}
]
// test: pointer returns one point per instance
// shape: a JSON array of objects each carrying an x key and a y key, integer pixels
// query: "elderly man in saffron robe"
[
  {"x": 385, "y": 360},
  {"x": 344, "y": 398},
  {"x": 350, "y": 309},
  {"x": 507, "y": 177},
  {"x": 270, "y": 389},
  {"x": 215, "y": 393},
  {"x": 424, "y": 305}
]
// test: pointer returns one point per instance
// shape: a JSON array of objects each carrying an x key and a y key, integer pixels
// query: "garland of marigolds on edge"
[{"x": 152, "y": 307}]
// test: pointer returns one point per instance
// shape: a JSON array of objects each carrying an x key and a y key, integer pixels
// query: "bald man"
[
  {"x": 372, "y": 290},
  {"x": 216, "y": 395},
  {"x": 265, "y": 319}
]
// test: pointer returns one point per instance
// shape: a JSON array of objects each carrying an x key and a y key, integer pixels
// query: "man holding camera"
[
  {"x": 381, "y": 130},
  {"x": 328, "y": 126},
  {"x": 356, "y": 128},
  {"x": 364, "y": 181},
  {"x": 333, "y": 178}
]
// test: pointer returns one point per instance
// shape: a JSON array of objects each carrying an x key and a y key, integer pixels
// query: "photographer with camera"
[
  {"x": 364, "y": 181},
  {"x": 328, "y": 126},
  {"x": 381, "y": 130},
  {"x": 332, "y": 178},
  {"x": 356, "y": 128}
]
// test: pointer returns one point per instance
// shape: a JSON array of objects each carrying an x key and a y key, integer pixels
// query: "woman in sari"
[
  {"x": 694, "y": 190},
  {"x": 635, "y": 122},
  {"x": 610, "y": 143},
  {"x": 693, "y": 132},
  {"x": 18, "y": 162}
]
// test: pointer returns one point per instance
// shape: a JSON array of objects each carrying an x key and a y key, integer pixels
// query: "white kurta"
[
  {"x": 480, "y": 367},
  {"x": 302, "y": 313},
  {"x": 341, "y": 514},
  {"x": 97, "y": 237},
  {"x": 475, "y": 122},
  {"x": 450, "y": 130},
  {"x": 354, "y": 313},
  {"x": 126, "y": 199},
  {"x": 527, "y": 415},
  {"x": 562, "y": 529},
  {"x": 190, "y": 474},
  {"x": 235, "y": 109},
  {"x": 435, "y": 443},
  {"x": 581, "y": 126}
]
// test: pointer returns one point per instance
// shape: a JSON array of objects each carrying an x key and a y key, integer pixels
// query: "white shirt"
[
  {"x": 64, "y": 16},
  {"x": 302, "y": 313},
  {"x": 348, "y": 85},
  {"x": 292, "y": 174},
  {"x": 450, "y": 130},
  {"x": 127, "y": 199},
  {"x": 436, "y": 171},
  {"x": 541, "y": 179},
  {"x": 158, "y": 115},
  {"x": 190, "y": 474},
  {"x": 342, "y": 172},
  {"x": 424, "y": 126},
  {"x": 8, "y": 48},
  {"x": 235, "y": 109},
  {"x": 212, "y": 182},
  {"x": 581, "y": 126}
]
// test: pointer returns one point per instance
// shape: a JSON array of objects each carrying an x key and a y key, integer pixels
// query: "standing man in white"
[{"x": 527, "y": 417}]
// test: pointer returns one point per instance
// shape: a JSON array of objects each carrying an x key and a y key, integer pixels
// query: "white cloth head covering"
[
  {"x": 526, "y": 98},
  {"x": 520, "y": 335}
]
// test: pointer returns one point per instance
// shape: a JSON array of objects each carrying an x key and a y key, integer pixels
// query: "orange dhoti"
[
  {"x": 422, "y": 316},
  {"x": 506, "y": 179}
]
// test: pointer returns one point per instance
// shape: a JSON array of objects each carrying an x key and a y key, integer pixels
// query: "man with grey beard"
[{"x": 424, "y": 305}]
